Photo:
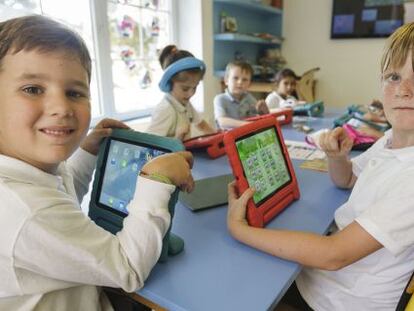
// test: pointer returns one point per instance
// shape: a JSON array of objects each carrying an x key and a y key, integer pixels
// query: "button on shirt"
[
  {"x": 382, "y": 202},
  {"x": 170, "y": 115},
  {"x": 225, "y": 105}
]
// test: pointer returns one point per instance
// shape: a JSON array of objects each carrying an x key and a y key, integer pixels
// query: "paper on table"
[
  {"x": 303, "y": 151},
  {"x": 320, "y": 165}
]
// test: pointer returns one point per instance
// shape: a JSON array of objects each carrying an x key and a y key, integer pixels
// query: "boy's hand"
[
  {"x": 101, "y": 130},
  {"x": 175, "y": 166},
  {"x": 336, "y": 143},
  {"x": 236, "y": 213},
  {"x": 261, "y": 107},
  {"x": 182, "y": 131}
]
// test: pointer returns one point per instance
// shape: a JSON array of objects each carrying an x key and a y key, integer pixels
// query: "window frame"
[{"x": 101, "y": 39}]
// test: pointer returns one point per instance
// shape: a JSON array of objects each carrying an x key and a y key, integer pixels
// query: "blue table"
[{"x": 215, "y": 272}]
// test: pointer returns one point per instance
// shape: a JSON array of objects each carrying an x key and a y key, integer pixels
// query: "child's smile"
[{"x": 44, "y": 109}]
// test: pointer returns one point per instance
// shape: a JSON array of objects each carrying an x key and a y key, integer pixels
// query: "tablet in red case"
[
  {"x": 259, "y": 159},
  {"x": 212, "y": 143},
  {"x": 284, "y": 116}
]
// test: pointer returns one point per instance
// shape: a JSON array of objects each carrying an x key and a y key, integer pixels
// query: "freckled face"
[{"x": 398, "y": 97}]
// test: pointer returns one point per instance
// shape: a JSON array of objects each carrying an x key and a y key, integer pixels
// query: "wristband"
[{"x": 157, "y": 177}]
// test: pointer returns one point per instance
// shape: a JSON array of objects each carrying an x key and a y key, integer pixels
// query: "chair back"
[{"x": 406, "y": 302}]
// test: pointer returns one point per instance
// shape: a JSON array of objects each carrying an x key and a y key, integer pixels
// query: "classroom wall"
[
  {"x": 195, "y": 34},
  {"x": 350, "y": 71}
]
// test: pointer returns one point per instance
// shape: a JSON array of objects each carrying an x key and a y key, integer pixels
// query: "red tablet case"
[
  {"x": 258, "y": 216},
  {"x": 212, "y": 143},
  {"x": 283, "y": 116}
]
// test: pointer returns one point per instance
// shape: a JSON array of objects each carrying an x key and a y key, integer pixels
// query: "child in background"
[
  {"x": 369, "y": 260},
  {"x": 236, "y": 103},
  {"x": 282, "y": 96},
  {"x": 175, "y": 114},
  {"x": 52, "y": 256}
]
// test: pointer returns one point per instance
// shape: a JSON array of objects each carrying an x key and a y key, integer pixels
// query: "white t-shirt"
[
  {"x": 382, "y": 202},
  {"x": 52, "y": 256},
  {"x": 274, "y": 100},
  {"x": 170, "y": 115}
]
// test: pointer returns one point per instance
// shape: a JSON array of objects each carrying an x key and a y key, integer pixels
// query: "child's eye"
[
  {"x": 32, "y": 90},
  {"x": 75, "y": 94},
  {"x": 392, "y": 77}
]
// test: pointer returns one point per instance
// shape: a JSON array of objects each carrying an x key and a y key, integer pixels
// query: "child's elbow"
[
  {"x": 333, "y": 264},
  {"x": 334, "y": 257}
]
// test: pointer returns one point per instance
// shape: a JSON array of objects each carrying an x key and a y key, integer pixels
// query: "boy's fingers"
[
  {"x": 232, "y": 191},
  {"x": 101, "y": 132},
  {"x": 187, "y": 156},
  {"x": 107, "y": 122},
  {"x": 188, "y": 185},
  {"x": 347, "y": 144},
  {"x": 246, "y": 196}
]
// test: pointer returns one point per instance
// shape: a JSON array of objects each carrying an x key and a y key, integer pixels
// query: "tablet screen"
[
  {"x": 263, "y": 163},
  {"x": 122, "y": 163}
]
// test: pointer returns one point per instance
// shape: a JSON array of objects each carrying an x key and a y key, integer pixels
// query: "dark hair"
[
  {"x": 244, "y": 66},
  {"x": 36, "y": 32},
  {"x": 285, "y": 73},
  {"x": 170, "y": 54}
]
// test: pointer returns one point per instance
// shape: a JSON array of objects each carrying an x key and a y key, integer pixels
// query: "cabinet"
[{"x": 259, "y": 27}]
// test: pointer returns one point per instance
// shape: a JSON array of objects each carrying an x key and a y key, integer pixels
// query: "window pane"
[
  {"x": 137, "y": 32},
  {"x": 76, "y": 14},
  {"x": 13, "y": 8}
]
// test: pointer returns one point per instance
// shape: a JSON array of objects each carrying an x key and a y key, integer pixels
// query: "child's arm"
[
  {"x": 66, "y": 246},
  {"x": 81, "y": 164},
  {"x": 226, "y": 122},
  {"x": 337, "y": 145},
  {"x": 101, "y": 130},
  {"x": 175, "y": 166},
  {"x": 221, "y": 114},
  {"x": 182, "y": 131},
  {"x": 205, "y": 127},
  {"x": 324, "y": 252},
  {"x": 261, "y": 107}
]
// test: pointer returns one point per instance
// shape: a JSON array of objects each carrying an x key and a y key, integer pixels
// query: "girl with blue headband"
[{"x": 175, "y": 114}]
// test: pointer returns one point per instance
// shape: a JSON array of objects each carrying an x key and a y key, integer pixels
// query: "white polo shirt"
[
  {"x": 170, "y": 115},
  {"x": 52, "y": 256},
  {"x": 274, "y": 100},
  {"x": 382, "y": 202}
]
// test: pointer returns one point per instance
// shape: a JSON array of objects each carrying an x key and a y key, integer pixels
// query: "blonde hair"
[
  {"x": 244, "y": 66},
  {"x": 397, "y": 47}
]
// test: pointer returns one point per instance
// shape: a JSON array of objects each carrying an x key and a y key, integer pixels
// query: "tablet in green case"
[{"x": 120, "y": 159}]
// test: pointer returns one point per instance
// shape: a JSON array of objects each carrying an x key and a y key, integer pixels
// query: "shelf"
[
  {"x": 253, "y": 5},
  {"x": 245, "y": 38}
]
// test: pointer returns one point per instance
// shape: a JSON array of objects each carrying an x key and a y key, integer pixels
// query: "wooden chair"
[
  {"x": 305, "y": 87},
  {"x": 406, "y": 302},
  {"x": 123, "y": 301}
]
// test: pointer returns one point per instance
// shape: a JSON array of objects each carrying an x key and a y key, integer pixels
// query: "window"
[{"x": 123, "y": 37}]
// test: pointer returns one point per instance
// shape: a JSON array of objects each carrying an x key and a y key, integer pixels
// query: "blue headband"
[{"x": 178, "y": 66}]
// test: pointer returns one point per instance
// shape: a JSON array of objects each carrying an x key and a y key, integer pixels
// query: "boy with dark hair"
[{"x": 52, "y": 256}]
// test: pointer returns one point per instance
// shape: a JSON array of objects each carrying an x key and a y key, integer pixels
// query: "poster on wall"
[{"x": 369, "y": 18}]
